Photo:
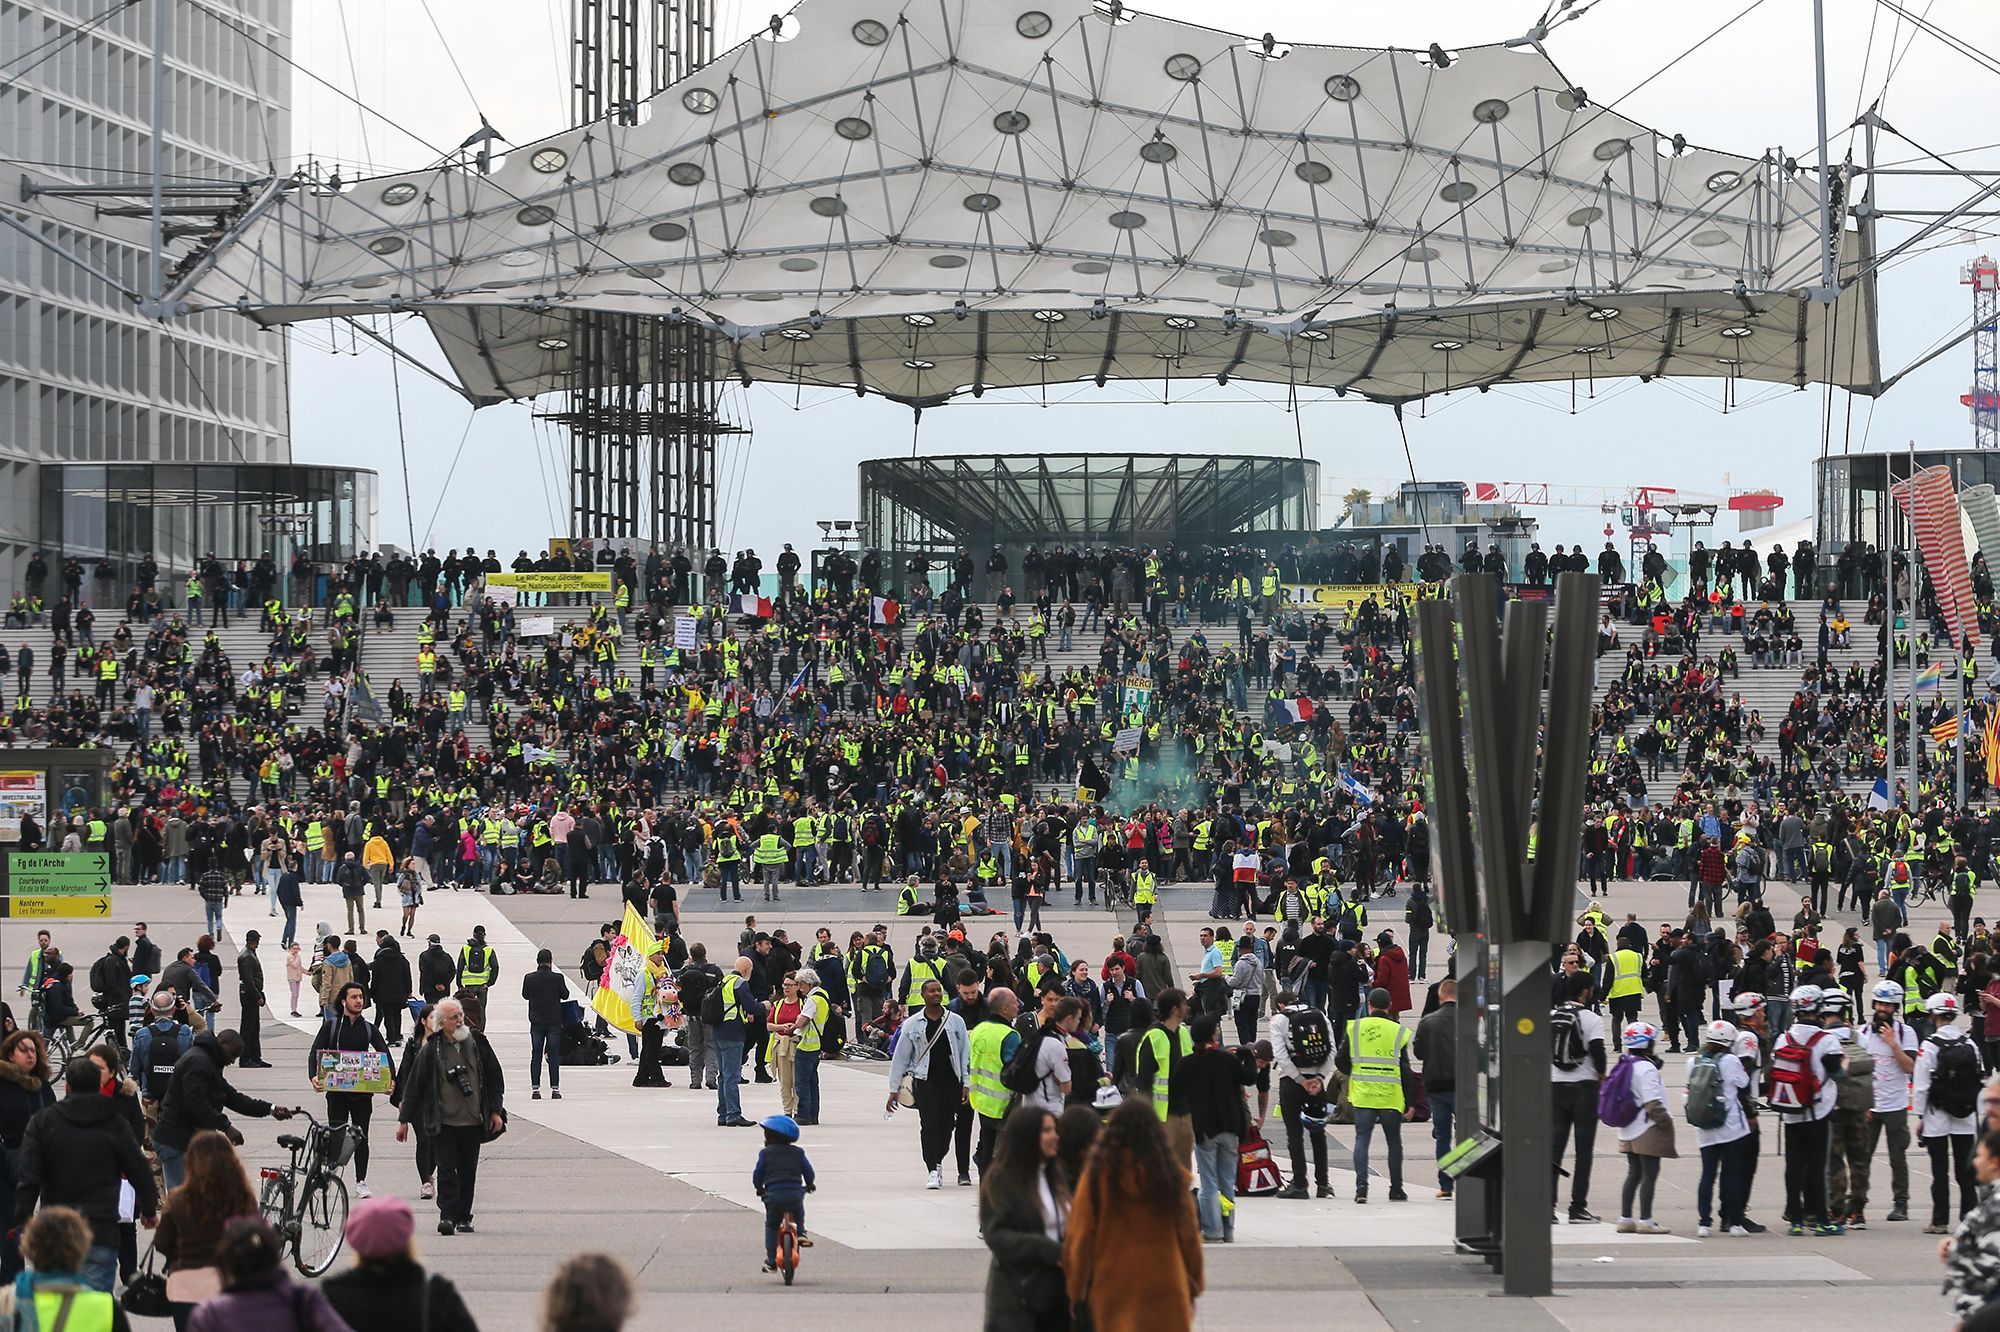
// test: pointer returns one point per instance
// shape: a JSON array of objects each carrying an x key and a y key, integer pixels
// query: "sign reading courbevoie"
[{"x": 48, "y": 885}]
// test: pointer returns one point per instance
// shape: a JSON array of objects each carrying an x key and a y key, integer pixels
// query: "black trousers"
[
  {"x": 1805, "y": 1171},
  {"x": 989, "y": 1133},
  {"x": 937, "y": 1112},
  {"x": 389, "y": 1017},
  {"x": 250, "y": 1025},
  {"x": 1958, "y": 1146},
  {"x": 457, "y": 1149},
  {"x": 1576, "y": 1111},
  {"x": 1294, "y": 1102},
  {"x": 354, "y": 1108}
]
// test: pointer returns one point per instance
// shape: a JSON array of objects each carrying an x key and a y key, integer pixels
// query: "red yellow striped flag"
[
  {"x": 1990, "y": 739},
  {"x": 1932, "y": 504}
]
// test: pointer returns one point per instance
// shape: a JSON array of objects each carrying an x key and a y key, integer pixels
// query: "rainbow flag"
[{"x": 1929, "y": 678}]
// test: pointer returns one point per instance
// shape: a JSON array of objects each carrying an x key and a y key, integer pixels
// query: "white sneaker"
[
  {"x": 361, "y": 1188},
  {"x": 1649, "y": 1227},
  {"x": 429, "y": 1190},
  {"x": 1703, "y": 1231},
  {"x": 936, "y": 1180}
]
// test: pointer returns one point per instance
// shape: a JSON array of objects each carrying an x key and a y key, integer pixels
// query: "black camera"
[{"x": 461, "y": 1078}]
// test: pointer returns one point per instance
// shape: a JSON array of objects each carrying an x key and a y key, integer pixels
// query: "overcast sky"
[{"x": 427, "y": 69}]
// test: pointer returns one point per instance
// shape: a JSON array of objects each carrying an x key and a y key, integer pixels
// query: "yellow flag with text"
[{"x": 623, "y": 996}]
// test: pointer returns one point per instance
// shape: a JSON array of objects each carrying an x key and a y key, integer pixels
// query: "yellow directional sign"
[{"x": 50, "y": 908}]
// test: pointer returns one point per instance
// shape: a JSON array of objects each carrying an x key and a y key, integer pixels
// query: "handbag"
[
  {"x": 906, "y": 1090},
  {"x": 146, "y": 1293}
]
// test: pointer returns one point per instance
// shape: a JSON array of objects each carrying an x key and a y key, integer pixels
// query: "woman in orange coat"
[{"x": 1132, "y": 1251}]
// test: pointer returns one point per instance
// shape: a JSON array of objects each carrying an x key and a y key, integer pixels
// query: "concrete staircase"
[{"x": 1767, "y": 691}]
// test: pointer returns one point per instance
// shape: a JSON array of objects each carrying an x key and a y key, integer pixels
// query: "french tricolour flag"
[
  {"x": 886, "y": 611},
  {"x": 1297, "y": 711},
  {"x": 743, "y": 604}
]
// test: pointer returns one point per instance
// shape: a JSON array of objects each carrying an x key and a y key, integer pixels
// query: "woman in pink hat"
[{"x": 385, "y": 1289}]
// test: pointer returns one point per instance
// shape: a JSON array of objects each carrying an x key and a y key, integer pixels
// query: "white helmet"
[
  {"x": 1942, "y": 1005},
  {"x": 1835, "y": 1003},
  {"x": 1886, "y": 992},
  {"x": 1747, "y": 1003},
  {"x": 1641, "y": 1033},
  {"x": 1719, "y": 1032},
  {"x": 1806, "y": 998}
]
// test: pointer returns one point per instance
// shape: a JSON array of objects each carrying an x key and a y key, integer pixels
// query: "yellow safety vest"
[
  {"x": 1375, "y": 1045},
  {"x": 1142, "y": 888},
  {"x": 1627, "y": 980},
  {"x": 921, "y": 971},
  {"x": 812, "y": 1022},
  {"x": 89, "y": 1310},
  {"x": 984, "y": 1090},
  {"x": 1157, "y": 1038},
  {"x": 479, "y": 975}
]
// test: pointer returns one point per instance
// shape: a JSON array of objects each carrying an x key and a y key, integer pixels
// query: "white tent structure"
[{"x": 961, "y": 195}]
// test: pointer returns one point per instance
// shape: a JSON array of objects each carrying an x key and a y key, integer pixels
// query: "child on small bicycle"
[{"x": 783, "y": 1177}]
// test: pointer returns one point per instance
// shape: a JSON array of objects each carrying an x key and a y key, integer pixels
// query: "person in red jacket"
[{"x": 1392, "y": 972}]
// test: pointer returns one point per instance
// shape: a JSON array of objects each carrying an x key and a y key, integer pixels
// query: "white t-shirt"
[
  {"x": 1827, "y": 1044},
  {"x": 1051, "y": 1071},
  {"x": 1735, "y": 1080},
  {"x": 1936, "y": 1123},
  {"x": 1590, "y": 1027},
  {"x": 1892, "y": 1084},
  {"x": 1647, "y": 1086}
]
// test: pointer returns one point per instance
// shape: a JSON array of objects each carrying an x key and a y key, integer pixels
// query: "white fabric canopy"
[{"x": 979, "y": 193}]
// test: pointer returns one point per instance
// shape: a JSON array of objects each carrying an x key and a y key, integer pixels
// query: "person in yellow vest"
[
  {"x": 727, "y": 850},
  {"x": 1628, "y": 987},
  {"x": 769, "y": 857},
  {"x": 478, "y": 963},
  {"x": 65, "y": 1288},
  {"x": 809, "y": 1037},
  {"x": 1375, "y": 1060},
  {"x": 1161, "y": 1050},
  {"x": 991, "y": 1044},
  {"x": 910, "y": 900},
  {"x": 925, "y": 966},
  {"x": 1145, "y": 894}
]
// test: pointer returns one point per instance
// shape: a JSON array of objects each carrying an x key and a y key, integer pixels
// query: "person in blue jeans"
[
  {"x": 782, "y": 1177},
  {"x": 739, "y": 1008}
]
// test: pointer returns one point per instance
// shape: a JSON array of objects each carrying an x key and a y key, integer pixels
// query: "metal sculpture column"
[{"x": 1484, "y": 724}]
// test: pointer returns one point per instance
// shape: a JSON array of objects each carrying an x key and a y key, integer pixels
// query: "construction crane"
[{"x": 1983, "y": 276}]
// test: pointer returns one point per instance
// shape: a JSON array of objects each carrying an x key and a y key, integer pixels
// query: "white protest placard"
[
  {"x": 1126, "y": 741},
  {"x": 535, "y": 626},
  {"x": 684, "y": 633}
]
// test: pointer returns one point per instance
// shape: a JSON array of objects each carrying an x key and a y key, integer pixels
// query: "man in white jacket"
[{"x": 1302, "y": 1053}]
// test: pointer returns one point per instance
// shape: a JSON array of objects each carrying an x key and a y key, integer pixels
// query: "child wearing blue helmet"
[{"x": 783, "y": 1177}]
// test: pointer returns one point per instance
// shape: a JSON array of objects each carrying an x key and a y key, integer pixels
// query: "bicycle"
[
  {"x": 788, "y": 1247},
  {"x": 306, "y": 1201},
  {"x": 107, "y": 1028}
]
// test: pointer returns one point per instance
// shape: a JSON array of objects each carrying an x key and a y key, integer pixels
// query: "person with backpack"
[
  {"x": 694, "y": 982},
  {"x": 1577, "y": 1065},
  {"x": 156, "y": 1048},
  {"x": 1633, "y": 1099},
  {"x": 871, "y": 971},
  {"x": 1302, "y": 1052},
  {"x": 1802, "y": 1085},
  {"x": 1946, "y": 1096},
  {"x": 1718, "y": 1109}
]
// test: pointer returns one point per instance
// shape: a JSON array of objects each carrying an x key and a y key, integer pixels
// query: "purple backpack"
[{"x": 1615, "y": 1103}]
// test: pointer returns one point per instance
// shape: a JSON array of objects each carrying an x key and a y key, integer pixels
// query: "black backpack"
[
  {"x": 1566, "y": 1039},
  {"x": 713, "y": 1011},
  {"x": 1955, "y": 1082},
  {"x": 1311, "y": 1037},
  {"x": 1019, "y": 1074}
]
